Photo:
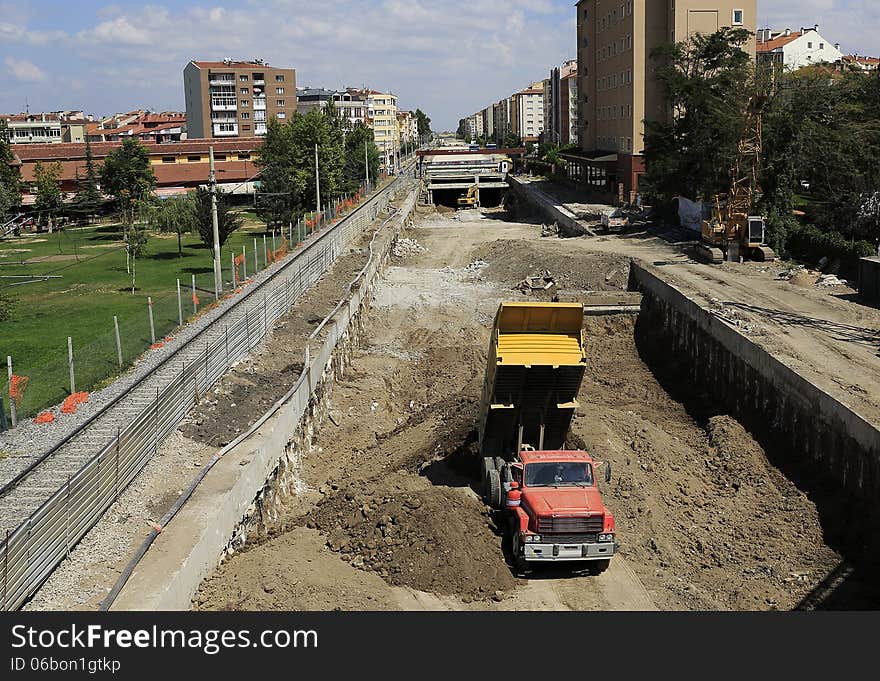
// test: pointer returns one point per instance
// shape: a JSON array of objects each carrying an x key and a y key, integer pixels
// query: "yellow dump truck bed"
[{"x": 535, "y": 368}]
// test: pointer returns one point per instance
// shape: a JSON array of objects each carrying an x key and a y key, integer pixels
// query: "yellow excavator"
[
  {"x": 472, "y": 199},
  {"x": 734, "y": 231}
]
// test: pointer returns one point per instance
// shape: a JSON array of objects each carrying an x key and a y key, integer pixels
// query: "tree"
[
  {"x": 128, "y": 177},
  {"x": 176, "y": 214},
  {"x": 707, "y": 82},
  {"x": 48, "y": 201},
  {"x": 279, "y": 195},
  {"x": 10, "y": 183},
  {"x": 227, "y": 220},
  {"x": 88, "y": 198},
  {"x": 423, "y": 122},
  {"x": 316, "y": 127},
  {"x": 361, "y": 153}
]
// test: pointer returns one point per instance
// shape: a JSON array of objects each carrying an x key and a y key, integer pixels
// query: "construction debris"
[
  {"x": 830, "y": 280},
  {"x": 407, "y": 247},
  {"x": 540, "y": 283},
  {"x": 550, "y": 230},
  {"x": 476, "y": 266}
]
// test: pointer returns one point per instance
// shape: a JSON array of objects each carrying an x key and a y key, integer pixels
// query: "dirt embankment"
[{"x": 705, "y": 519}]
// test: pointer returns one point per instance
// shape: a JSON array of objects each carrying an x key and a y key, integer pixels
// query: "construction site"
[{"x": 736, "y": 405}]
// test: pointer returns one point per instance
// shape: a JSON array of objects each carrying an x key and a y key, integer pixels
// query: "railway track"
[{"x": 60, "y": 494}]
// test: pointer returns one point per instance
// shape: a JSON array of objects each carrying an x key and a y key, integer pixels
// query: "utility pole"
[
  {"x": 218, "y": 277},
  {"x": 317, "y": 178}
]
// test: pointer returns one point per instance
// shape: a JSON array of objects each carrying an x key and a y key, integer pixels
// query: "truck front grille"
[
  {"x": 570, "y": 539},
  {"x": 593, "y": 524}
]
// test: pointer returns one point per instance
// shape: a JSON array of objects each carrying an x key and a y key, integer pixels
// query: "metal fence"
[{"x": 30, "y": 553}]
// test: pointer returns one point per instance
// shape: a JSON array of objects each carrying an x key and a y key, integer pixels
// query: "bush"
[{"x": 809, "y": 243}]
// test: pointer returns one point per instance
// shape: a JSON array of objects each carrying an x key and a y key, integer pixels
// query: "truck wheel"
[
  {"x": 597, "y": 567},
  {"x": 520, "y": 564},
  {"x": 493, "y": 489},
  {"x": 487, "y": 464}
]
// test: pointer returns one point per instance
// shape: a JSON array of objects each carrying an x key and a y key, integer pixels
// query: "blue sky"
[{"x": 449, "y": 57}]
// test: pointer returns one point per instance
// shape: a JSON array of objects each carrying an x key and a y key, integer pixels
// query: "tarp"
[{"x": 690, "y": 214}]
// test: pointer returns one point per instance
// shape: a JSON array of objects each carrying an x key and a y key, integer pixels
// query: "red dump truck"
[{"x": 550, "y": 497}]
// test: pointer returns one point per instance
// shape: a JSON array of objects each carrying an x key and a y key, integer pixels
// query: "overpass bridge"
[{"x": 448, "y": 174}]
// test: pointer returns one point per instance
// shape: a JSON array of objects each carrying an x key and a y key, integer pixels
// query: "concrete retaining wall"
[
  {"x": 569, "y": 225},
  {"x": 822, "y": 436},
  {"x": 242, "y": 495}
]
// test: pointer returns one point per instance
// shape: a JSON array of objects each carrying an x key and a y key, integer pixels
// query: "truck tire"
[
  {"x": 487, "y": 464},
  {"x": 520, "y": 564},
  {"x": 493, "y": 489},
  {"x": 597, "y": 567},
  {"x": 505, "y": 474}
]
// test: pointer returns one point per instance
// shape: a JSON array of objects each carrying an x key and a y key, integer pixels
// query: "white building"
[{"x": 796, "y": 49}]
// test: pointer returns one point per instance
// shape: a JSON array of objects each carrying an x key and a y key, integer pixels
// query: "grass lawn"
[{"x": 94, "y": 286}]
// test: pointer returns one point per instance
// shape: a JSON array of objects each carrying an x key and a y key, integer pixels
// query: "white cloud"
[{"x": 25, "y": 71}]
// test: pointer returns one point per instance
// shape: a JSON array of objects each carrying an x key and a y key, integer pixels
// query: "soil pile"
[
  {"x": 436, "y": 540},
  {"x": 512, "y": 261}
]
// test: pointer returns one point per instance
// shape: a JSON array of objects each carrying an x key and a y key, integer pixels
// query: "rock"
[{"x": 498, "y": 596}]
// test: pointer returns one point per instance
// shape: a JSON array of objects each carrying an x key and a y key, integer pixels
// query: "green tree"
[
  {"x": 88, "y": 198},
  {"x": 227, "y": 220},
  {"x": 10, "y": 181},
  {"x": 424, "y": 123},
  {"x": 278, "y": 200},
  {"x": 174, "y": 215},
  {"x": 706, "y": 82},
  {"x": 49, "y": 202},
  {"x": 316, "y": 127},
  {"x": 361, "y": 153},
  {"x": 128, "y": 177}
]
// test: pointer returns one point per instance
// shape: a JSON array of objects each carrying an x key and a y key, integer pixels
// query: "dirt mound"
[
  {"x": 705, "y": 518},
  {"x": 512, "y": 261},
  {"x": 437, "y": 540}
]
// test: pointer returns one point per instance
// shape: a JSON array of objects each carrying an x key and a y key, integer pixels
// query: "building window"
[
  {"x": 809, "y": 46},
  {"x": 281, "y": 114},
  {"x": 280, "y": 102},
  {"x": 245, "y": 114},
  {"x": 169, "y": 159},
  {"x": 738, "y": 17},
  {"x": 243, "y": 78},
  {"x": 279, "y": 91},
  {"x": 821, "y": 46},
  {"x": 245, "y": 127},
  {"x": 245, "y": 91},
  {"x": 245, "y": 102},
  {"x": 193, "y": 159},
  {"x": 244, "y": 157},
  {"x": 279, "y": 78},
  {"x": 222, "y": 157}
]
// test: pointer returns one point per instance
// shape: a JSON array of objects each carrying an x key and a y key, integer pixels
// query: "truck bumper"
[{"x": 548, "y": 553}]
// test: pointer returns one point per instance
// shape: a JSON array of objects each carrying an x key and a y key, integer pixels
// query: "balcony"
[
  {"x": 221, "y": 80},
  {"x": 224, "y": 105},
  {"x": 259, "y": 129},
  {"x": 259, "y": 81},
  {"x": 260, "y": 104},
  {"x": 225, "y": 130},
  {"x": 224, "y": 119}
]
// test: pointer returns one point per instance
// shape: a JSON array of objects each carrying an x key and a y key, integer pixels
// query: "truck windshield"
[{"x": 554, "y": 474}]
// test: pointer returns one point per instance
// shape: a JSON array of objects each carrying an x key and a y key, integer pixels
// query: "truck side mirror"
[{"x": 607, "y": 473}]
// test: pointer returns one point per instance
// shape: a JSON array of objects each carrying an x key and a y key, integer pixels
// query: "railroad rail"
[{"x": 60, "y": 495}]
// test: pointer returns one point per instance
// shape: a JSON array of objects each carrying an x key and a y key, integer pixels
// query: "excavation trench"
[{"x": 712, "y": 512}]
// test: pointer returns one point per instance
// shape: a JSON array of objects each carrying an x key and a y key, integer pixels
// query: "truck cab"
[{"x": 556, "y": 511}]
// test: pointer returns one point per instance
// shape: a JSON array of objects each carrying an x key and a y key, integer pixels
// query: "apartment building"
[
  {"x": 501, "y": 118},
  {"x": 236, "y": 98},
  {"x": 407, "y": 127},
  {"x": 28, "y": 128},
  {"x": 488, "y": 117},
  {"x": 616, "y": 87},
  {"x": 560, "y": 104},
  {"x": 382, "y": 118},
  {"x": 527, "y": 112}
]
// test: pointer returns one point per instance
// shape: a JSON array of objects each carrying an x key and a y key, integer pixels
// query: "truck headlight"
[
  {"x": 606, "y": 537},
  {"x": 533, "y": 538}
]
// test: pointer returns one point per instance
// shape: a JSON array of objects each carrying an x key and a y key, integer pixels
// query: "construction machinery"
[
  {"x": 549, "y": 495},
  {"x": 471, "y": 199},
  {"x": 733, "y": 230}
]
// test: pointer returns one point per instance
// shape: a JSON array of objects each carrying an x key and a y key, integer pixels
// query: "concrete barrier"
[
  {"x": 242, "y": 494},
  {"x": 569, "y": 224},
  {"x": 822, "y": 435}
]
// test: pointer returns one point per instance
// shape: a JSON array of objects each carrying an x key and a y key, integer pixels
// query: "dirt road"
[{"x": 391, "y": 519}]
